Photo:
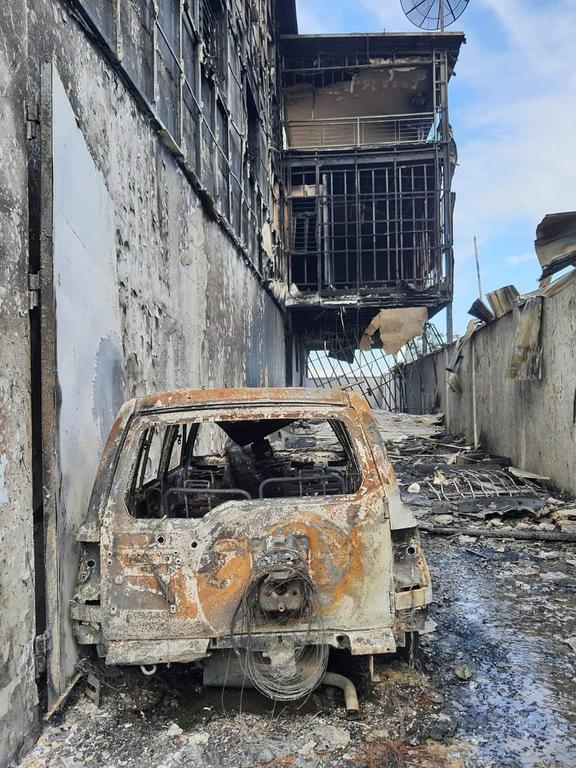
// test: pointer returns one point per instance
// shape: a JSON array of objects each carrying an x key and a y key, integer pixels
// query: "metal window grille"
[
  {"x": 214, "y": 36},
  {"x": 362, "y": 227},
  {"x": 157, "y": 44}
]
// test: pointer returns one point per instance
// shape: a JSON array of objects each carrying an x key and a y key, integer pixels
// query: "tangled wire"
[{"x": 295, "y": 669}]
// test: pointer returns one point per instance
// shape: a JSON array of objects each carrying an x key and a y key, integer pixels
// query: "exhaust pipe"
[{"x": 350, "y": 695}]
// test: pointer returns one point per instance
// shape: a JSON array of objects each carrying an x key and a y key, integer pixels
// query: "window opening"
[
  {"x": 188, "y": 470},
  {"x": 213, "y": 29}
]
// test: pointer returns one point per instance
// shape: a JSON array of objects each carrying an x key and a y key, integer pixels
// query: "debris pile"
[
  {"x": 171, "y": 721},
  {"x": 447, "y": 482}
]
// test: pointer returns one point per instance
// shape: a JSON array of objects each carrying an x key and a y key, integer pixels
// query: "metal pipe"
[
  {"x": 477, "y": 257},
  {"x": 449, "y": 323},
  {"x": 350, "y": 695},
  {"x": 474, "y": 408}
]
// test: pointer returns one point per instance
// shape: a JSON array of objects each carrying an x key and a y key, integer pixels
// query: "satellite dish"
[{"x": 433, "y": 14}]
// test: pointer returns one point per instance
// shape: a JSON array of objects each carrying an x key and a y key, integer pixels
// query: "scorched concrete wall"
[
  {"x": 531, "y": 422},
  {"x": 190, "y": 310},
  {"x": 17, "y": 622},
  {"x": 150, "y": 293},
  {"x": 191, "y": 307}
]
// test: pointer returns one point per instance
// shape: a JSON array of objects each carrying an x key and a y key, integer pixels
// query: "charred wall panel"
[
  {"x": 533, "y": 422},
  {"x": 89, "y": 358},
  {"x": 187, "y": 306},
  {"x": 17, "y": 617}
]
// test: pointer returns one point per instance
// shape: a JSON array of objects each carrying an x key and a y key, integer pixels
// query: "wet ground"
[
  {"x": 493, "y": 683},
  {"x": 505, "y": 613}
]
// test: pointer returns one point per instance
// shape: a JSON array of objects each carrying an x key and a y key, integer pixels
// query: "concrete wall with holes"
[
  {"x": 17, "y": 623},
  {"x": 531, "y": 422}
]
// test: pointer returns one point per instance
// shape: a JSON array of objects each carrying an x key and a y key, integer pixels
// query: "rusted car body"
[{"x": 200, "y": 494}]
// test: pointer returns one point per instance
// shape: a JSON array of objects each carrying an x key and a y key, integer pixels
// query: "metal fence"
[{"x": 374, "y": 374}]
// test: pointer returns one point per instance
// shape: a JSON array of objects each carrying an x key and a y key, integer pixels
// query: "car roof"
[{"x": 192, "y": 398}]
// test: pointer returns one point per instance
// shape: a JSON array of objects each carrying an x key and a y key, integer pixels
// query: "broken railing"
[{"x": 373, "y": 373}]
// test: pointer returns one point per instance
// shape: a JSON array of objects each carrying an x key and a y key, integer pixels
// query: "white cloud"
[
  {"x": 518, "y": 127},
  {"x": 389, "y": 15},
  {"x": 525, "y": 257},
  {"x": 515, "y": 130}
]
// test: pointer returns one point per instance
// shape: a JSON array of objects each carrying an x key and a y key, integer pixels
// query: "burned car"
[{"x": 248, "y": 531}]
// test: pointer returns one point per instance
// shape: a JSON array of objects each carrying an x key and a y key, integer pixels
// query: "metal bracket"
[
  {"x": 34, "y": 289},
  {"x": 41, "y": 648},
  {"x": 93, "y": 688},
  {"x": 32, "y": 121}
]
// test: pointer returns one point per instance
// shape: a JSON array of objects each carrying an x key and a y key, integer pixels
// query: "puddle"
[{"x": 519, "y": 706}]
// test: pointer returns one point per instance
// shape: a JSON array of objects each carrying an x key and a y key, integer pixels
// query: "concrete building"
[
  {"x": 369, "y": 164},
  {"x": 141, "y": 221},
  {"x": 187, "y": 187}
]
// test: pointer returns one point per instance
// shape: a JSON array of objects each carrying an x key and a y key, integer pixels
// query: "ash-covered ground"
[{"x": 493, "y": 682}]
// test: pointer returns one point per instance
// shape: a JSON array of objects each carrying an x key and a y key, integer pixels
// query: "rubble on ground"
[
  {"x": 503, "y": 616},
  {"x": 492, "y": 684},
  {"x": 448, "y": 482}
]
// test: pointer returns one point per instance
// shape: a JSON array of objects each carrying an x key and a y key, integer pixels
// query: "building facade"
[{"x": 142, "y": 220}]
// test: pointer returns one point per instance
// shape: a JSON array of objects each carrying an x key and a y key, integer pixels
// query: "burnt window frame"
[
  {"x": 213, "y": 24},
  {"x": 133, "y": 36},
  {"x": 357, "y": 445}
]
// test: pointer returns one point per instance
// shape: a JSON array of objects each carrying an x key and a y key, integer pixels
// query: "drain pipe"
[
  {"x": 474, "y": 407},
  {"x": 350, "y": 695}
]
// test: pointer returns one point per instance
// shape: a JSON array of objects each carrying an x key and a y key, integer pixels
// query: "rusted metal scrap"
[
  {"x": 492, "y": 533},
  {"x": 526, "y": 358}
]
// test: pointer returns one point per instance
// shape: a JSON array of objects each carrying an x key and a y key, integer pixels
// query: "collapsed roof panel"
[{"x": 556, "y": 242}]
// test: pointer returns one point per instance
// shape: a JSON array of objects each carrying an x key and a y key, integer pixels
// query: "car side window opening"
[{"x": 185, "y": 470}]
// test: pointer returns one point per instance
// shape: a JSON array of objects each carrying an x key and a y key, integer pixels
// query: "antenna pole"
[
  {"x": 441, "y": 15},
  {"x": 477, "y": 267}
]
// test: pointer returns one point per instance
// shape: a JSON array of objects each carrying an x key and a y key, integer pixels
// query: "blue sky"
[{"x": 513, "y": 110}]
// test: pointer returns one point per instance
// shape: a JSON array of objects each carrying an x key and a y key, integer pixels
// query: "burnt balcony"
[
  {"x": 368, "y": 232},
  {"x": 363, "y": 131}
]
